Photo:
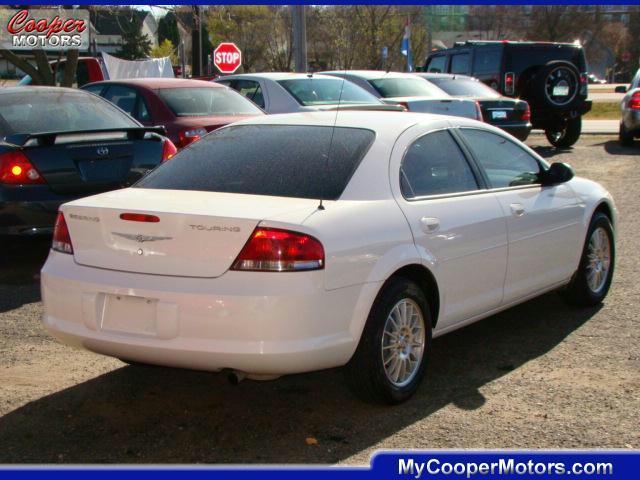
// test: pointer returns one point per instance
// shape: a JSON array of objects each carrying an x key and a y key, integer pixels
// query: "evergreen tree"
[
  {"x": 168, "y": 29},
  {"x": 135, "y": 44}
]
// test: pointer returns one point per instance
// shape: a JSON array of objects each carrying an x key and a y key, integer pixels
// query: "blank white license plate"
[
  {"x": 498, "y": 114},
  {"x": 128, "y": 314},
  {"x": 560, "y": 91}
]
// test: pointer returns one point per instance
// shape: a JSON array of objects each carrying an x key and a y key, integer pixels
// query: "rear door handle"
[
  {"x": 430, "y": 224},
  {"x": 517, "y": 209}
]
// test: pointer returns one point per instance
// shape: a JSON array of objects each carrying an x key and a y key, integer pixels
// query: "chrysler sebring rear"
[{"x": 284, "y": 244}]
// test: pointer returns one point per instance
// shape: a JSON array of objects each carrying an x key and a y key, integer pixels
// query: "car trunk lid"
[
  {"x": 442, "y": 106},
  {"x": 90, "y": 162},
  {"x": 197, "y": 234},
  {"x": 498, "y": 111}
]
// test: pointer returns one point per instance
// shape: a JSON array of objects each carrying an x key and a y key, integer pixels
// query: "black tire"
[
  {"x": 556, "y": 73},
  {"x": 578, "y": 292},
  {"x": 626, "y": 138},
  {"x": 566, "y": 134},
  {"x": 365, "y": 372}
]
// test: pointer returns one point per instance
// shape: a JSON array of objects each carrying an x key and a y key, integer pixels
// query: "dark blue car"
[{"x": 59, "y": 144}]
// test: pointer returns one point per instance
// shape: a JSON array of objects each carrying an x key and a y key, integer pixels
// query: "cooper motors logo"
[{"x": 48, "y": 29}]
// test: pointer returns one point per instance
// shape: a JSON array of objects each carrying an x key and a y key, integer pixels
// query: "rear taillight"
[
  {"x": 584, "y": 84},
  {"x": 509, "y": 83},
  {"x": 479, "y": 112},
  {"x": 526, "y": 114},
  {"x": 634, "y": 101},
  {"x": 61, "y": 238},
  {"x": 168, "y": 149},
  {"x": 190, "y": 135},
  {"x": 275, "y": 250},
  {"x": 16, "y": 169}
]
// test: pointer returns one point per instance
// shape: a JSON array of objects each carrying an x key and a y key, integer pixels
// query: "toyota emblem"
[{"x": 102, "y": 151}]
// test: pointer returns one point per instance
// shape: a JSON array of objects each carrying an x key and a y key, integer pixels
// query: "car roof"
[
  {"x": 452, "y": 76},
  {"x": 383, "y": 123},
  {"x": 275, "y": 76},
  {"x": 155, "y": 83},
  {"x": 38, "y": 89},
  {"x": 369, "y": 74}
]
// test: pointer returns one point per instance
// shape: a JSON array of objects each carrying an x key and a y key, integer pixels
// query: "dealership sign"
[
  {"x": 227, "y": 57},
  {"x": 45, "y": 28}
]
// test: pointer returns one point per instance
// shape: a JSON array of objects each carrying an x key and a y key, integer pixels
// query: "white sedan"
[{"x": 285, "y": 244}]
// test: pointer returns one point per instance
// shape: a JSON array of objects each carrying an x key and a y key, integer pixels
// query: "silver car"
[
  {"x": 416, "y": 94},
  {"x": 298, "y": 92},
  {"x": 630, "y": 107}
]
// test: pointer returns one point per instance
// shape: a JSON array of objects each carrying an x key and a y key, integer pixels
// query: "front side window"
[
  {"x": 435, "y": 165},
  {"x": 251, "y": 90},
  {"x": 326, "y": 91},
  {"x": 505, "y": 163},
  {"x": 437, "y": 64}
]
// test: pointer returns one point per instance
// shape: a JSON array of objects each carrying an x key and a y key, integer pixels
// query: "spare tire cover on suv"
[{"x": 556, "y": 85}]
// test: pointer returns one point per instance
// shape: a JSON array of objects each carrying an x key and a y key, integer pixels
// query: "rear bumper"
[
  {"x": 259, "y": 323},
  {"x": 28, "y": 211},
  {"x": 631, "y": 120},
  {"x": 519, "y": 130}
]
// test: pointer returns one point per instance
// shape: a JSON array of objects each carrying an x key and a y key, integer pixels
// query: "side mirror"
[
  {"x": 558, "y": 173},
  {"x": 620, "y": 89}
]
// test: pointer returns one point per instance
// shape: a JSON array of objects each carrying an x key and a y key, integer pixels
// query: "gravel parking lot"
[{"x": 542, "y": 375}]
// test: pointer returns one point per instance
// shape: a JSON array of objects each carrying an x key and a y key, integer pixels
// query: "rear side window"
[
  {"x": 505, "y": 163},
  {"x": 274, "y": 160},
  {"x": 487, "y": 61},
  {"x": 437, "y": 64},
  {"x": 460, "y": 63},
  {"x": 435, "y": 165},
  {"x": 206, "y": 101}
]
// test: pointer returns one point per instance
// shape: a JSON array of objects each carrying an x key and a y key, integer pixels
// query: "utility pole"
[
  {"x": 196, "y": 43},
  {"x": 299, "y": 37}
]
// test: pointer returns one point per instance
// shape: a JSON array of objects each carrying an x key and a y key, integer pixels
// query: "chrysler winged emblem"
[
  {"x": 140, "y": 238},
  {"x": 102, "y": 151}
]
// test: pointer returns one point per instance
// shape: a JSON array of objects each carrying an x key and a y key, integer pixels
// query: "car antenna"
[{"x": 335, "y": 122}]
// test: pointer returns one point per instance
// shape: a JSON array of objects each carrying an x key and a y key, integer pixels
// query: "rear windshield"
[
  {"x": 57, "y": 111},
  {"x": 405, "y": 87},
  {"x": 206, "y": 102},
  {"x": 326, "y": 91},
  {"x": 462, "y": 87},
  {"x": 274, "y": 160}
]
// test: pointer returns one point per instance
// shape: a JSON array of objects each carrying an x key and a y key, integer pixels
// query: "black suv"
[{"x": 552, "y": 77}]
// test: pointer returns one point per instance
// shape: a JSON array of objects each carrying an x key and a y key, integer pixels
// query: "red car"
[{"x": 188, "y": 109}]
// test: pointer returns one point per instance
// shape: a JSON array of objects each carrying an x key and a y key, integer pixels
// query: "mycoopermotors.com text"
[{"x": 504, "y": 466}]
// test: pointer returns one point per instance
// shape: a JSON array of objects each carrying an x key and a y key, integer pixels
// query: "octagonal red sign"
[{"x": 227, "y": 57}]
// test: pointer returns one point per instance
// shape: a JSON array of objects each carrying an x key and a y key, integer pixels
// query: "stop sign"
[{"x": 227, "y": 57}]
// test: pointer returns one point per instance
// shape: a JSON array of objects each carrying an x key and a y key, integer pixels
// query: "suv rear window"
[
  {"x": 274, "y": 160},
  {"x": 206, "y": 101}
]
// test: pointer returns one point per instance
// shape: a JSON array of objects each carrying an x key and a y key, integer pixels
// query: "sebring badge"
[
  {"x": 140, "y": 238},
  {"x": 102, "y": 151}
]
